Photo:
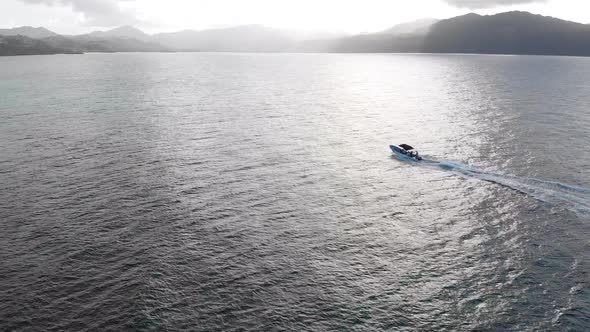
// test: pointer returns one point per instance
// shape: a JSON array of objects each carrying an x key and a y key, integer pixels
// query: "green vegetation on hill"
[
  {"x": 21, "y": 45},
  {"x": 87, "y": 43},
  {"x": 508, "y": 33}
]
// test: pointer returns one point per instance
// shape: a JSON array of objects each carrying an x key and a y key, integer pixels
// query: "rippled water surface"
[{"x": 170, "y": 192}]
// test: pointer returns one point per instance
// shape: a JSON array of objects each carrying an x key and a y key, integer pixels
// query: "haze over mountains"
[
  {"x": 505, "y": 33},
  {"x": 248, "y": 38}
]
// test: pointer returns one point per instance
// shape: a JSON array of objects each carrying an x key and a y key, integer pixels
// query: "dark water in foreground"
[{"x": 168, "y": 192}]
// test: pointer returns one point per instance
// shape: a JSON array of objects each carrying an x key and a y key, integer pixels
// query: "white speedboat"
[{"x": 405, "y": 151}]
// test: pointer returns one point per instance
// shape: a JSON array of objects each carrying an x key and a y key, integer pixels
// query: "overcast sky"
[{"x": 352, "y": 16}]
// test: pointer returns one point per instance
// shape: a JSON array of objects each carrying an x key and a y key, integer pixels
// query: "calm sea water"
[{"x": 171, "y": 192}]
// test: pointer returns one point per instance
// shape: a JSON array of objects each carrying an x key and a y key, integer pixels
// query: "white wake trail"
[{"x": 574, "y": 198}]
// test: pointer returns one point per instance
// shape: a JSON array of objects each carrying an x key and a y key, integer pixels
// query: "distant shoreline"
[{"x": 280, "y": 52}]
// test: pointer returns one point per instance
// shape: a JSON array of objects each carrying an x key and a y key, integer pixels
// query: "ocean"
[{"x": 219, "y": 191}]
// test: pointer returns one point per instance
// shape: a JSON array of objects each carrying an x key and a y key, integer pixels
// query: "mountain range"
[{"x": 505, "y": 33}]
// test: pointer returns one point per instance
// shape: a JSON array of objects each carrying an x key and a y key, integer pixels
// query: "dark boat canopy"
[{"x": 406, "y": 147}]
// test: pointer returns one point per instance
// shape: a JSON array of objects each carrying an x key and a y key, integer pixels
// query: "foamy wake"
[{"x": 574, "y": 198}]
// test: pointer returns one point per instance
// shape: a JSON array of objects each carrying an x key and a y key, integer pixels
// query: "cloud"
[
  {"x": 482, "y": 4},
  {"x": 102, "y": 13}
]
